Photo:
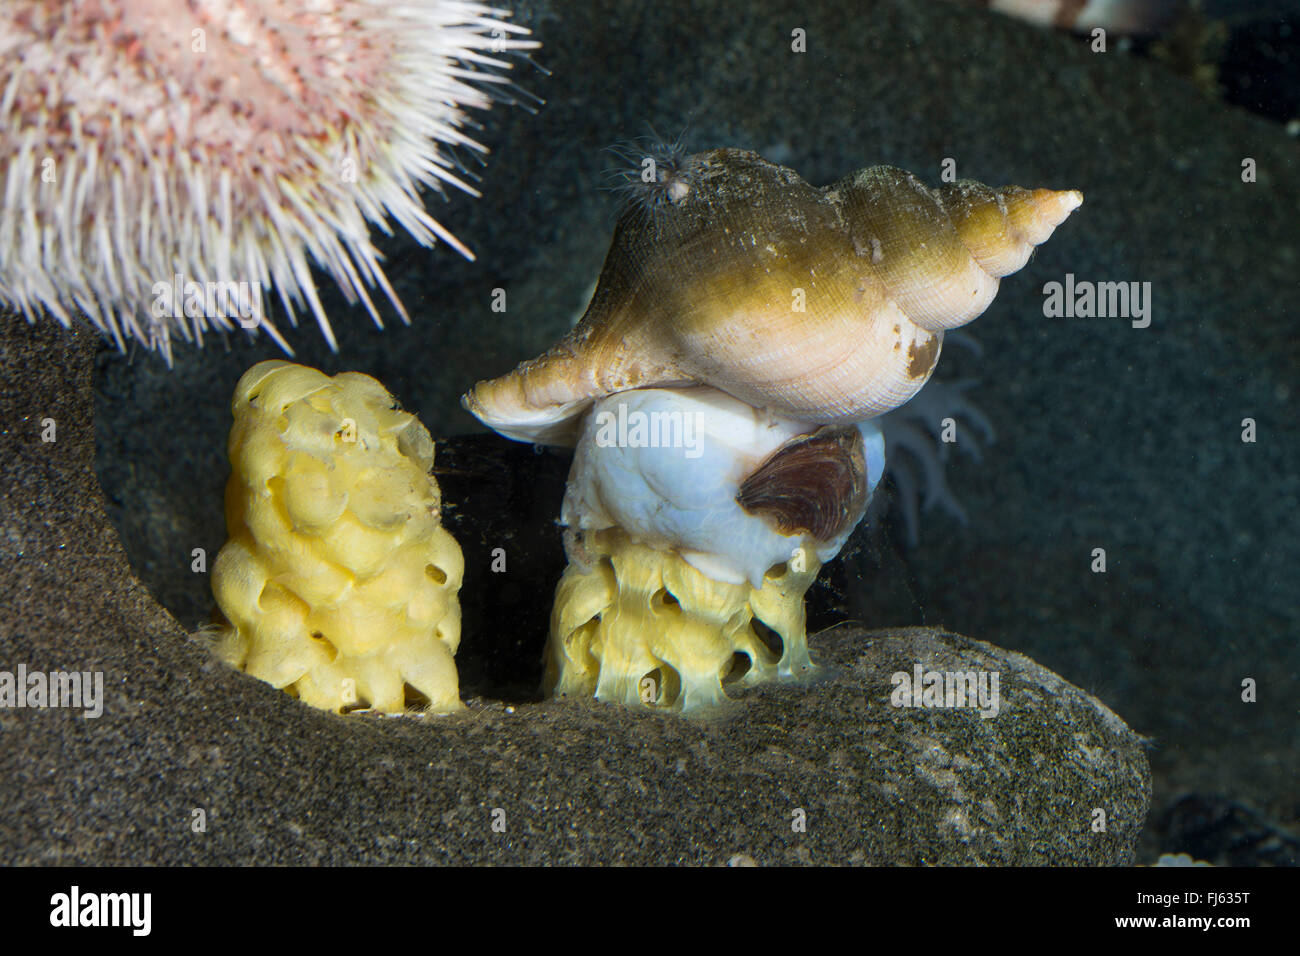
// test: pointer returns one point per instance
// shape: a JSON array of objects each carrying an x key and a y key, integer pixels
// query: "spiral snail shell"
[{"x": 826, "y": 305}]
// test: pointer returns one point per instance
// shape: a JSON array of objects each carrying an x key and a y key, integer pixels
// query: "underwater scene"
[{"x": 616, "y": 432}]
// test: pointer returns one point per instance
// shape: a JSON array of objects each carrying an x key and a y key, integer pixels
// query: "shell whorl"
[{"x": 828, "y": 305}]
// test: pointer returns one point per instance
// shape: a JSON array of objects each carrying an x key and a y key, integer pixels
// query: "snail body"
[{"x": 733, "y": 489}]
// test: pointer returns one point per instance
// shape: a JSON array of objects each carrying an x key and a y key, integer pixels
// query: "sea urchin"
[{"x": 165, "y": 161}]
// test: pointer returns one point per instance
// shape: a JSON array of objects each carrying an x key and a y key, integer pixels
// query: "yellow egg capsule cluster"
[
  {"x": 338, "y": 582},
  {"x": 644, "y": 627}
]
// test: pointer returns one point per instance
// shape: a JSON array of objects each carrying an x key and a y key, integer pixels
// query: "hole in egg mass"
[
  {"x": 413, "y": 698},
  {"x": 663, "y": 601},
  {"x": 740, "y": 666},
  {"x": 770, "y": 638}
]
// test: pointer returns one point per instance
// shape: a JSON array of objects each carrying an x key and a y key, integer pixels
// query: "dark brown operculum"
[{"x": 816, "y": 484}]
